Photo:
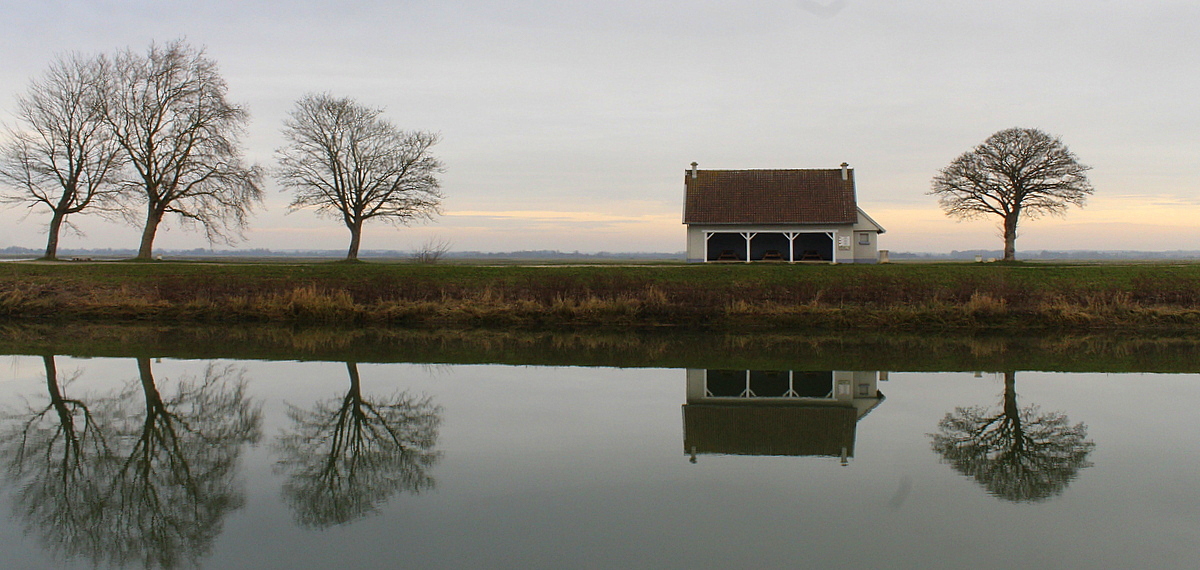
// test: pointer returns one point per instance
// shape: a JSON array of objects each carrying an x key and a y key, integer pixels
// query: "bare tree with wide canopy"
[
  {"x": 62, "y": 156},
  {"x": 1015, "y": 172},
  {"x": 348, "y": 162},
  {"x": 168, "y": 111},
  {"x": 1017, "y": 454}
]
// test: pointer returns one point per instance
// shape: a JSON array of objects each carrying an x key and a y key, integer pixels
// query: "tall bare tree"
[
  {"x": 1015, "y": 172},
  {"x": 348, "y": 162},
  {"x": 168, "y": 111},
  {"x": 62, "y": 155}
]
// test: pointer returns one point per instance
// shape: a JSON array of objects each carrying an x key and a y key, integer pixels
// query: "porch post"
[
  {"x": 791, "y": 393},
  {"x": 707, "y": 235},
  {"x": 749, "y": 236},
  {"x": 791, "y": 237},
  {"x": 833, "y": 241}
]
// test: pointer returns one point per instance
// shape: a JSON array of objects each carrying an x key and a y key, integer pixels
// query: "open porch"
[{"x": 789, "y": 246}]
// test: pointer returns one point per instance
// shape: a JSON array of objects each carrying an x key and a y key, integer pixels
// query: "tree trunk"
[
  {"x": 1010, "y": 395},
  {"x": 1010, "y": 237},
  {"x": 51, "y": 377},
  {"x": 149, "y": 389},
  {"x": 354, "y": 400},
  {"x": 355, "y": 383},
  {"x": 52, "y": 240},
  {"x": 146, "y": 249},
  {"x": 355, "y": 239},
  {"x": 65, "y": 418},
  {"x": 56, "y": 398},
  {"x": 1013, "y": 413}
]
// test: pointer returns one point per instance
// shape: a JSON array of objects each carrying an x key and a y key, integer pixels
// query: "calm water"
[{"x": 255, "y": 464}]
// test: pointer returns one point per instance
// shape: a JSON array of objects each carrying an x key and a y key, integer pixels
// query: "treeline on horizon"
[
  {"x": 554, "y": 254},
  {"x": 1049, "y": 254},
  {"x": 387, "y": 253}
]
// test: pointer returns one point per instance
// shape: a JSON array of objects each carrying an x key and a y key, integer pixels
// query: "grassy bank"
[{"x": 893, "y": 297}]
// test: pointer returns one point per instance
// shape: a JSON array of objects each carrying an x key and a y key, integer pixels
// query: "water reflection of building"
[{"x": 776, "y": 412}]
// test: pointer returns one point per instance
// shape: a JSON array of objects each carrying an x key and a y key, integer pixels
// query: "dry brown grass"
[{"x": 920, "y": 298}]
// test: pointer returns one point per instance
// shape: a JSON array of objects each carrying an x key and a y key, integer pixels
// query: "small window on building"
[{"x": 864, "y": 238}]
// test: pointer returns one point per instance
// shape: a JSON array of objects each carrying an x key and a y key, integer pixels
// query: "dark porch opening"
[
  {"x": 726, "y": 247},
  {"x": 814, "y": 247},
  {"x": 813, "y": 384},
  {"x": 769, "y": 383},
  {"x": 725, "y": 383},
  {"x": 769, "y": 247}
]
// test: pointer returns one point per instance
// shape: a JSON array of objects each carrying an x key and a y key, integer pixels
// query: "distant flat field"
[{"x": 723, "y": 296}]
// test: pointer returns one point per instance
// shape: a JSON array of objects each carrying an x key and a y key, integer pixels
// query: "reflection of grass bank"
[
  {"x": 607, "y": 347},
  {"x": 896, "y": 297}
]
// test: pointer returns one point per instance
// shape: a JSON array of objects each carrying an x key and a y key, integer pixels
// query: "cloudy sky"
[{"x": 568, "y": 125}]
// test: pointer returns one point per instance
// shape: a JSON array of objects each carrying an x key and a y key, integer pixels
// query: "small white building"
[{"x": 777, "y": 215}]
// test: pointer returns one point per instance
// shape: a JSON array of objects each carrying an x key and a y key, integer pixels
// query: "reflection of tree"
[
  {"x": 153, "y": 478},
  {"x": 176, "y": 482},
  {"x": 58, "y": 459},
  {"x": 345, "y": 458},
  {"x": 1018, "y": 454}
]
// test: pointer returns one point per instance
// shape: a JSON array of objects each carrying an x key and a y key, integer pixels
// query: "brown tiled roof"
[
  {"x": 768, "y": 430},
  {"x": 816, "y": 196}
]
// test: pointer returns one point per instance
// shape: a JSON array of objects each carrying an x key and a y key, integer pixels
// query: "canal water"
[{"x": 218, "y": 463}]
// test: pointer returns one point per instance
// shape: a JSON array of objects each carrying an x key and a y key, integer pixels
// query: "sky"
[{"x": 569, "y": 125}]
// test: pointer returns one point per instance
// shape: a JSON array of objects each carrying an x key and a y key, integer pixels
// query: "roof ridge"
[{"x": 768, "y": 169}]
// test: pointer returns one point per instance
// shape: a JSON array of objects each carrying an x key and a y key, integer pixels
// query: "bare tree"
[
  {"x": 1015, "y": 172},
  {"x": 432, "y": 251},
  {"x": 168, "y": 111},
  {"x": 349, "y": 163},
  {"x": 62, "y": 156}
]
